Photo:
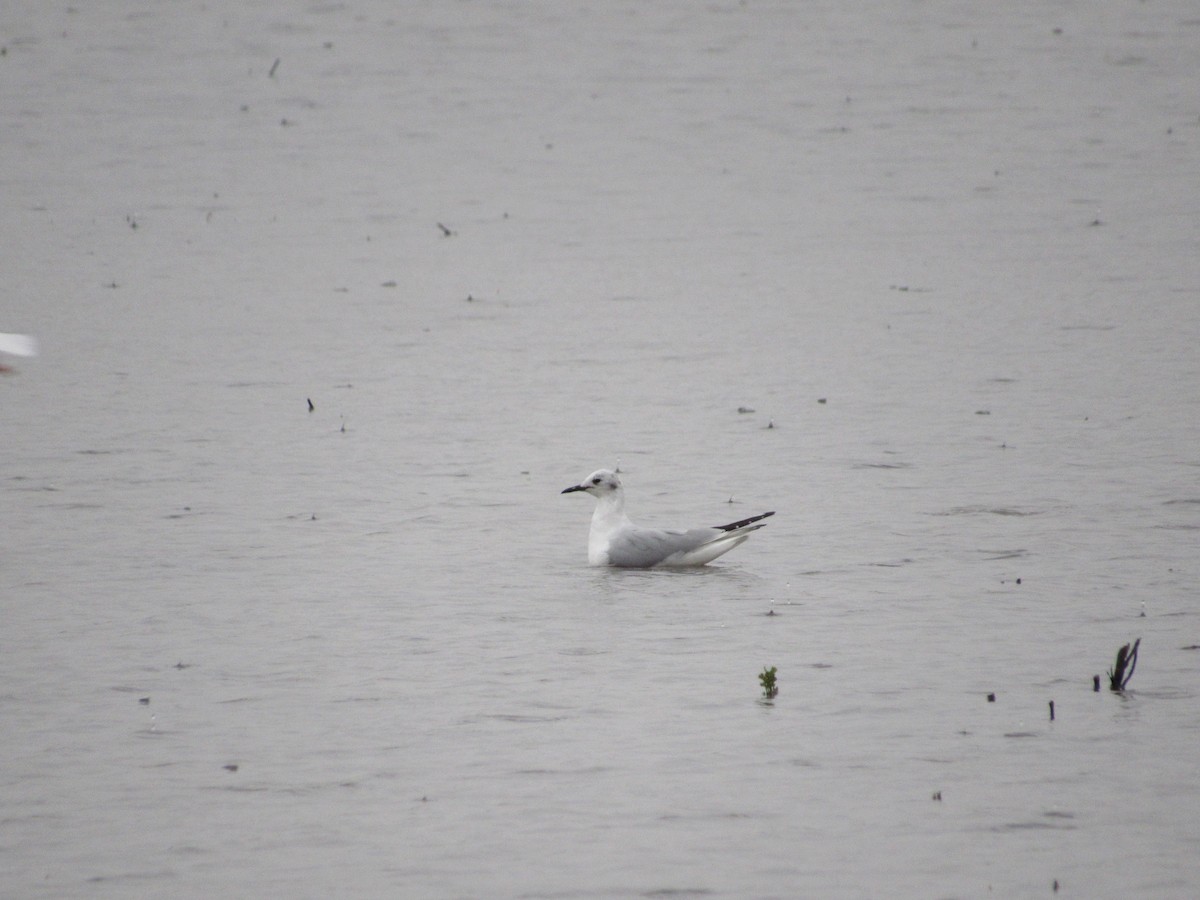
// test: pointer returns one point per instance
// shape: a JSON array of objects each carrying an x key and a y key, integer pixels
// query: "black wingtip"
[{"x": 734, "y": 526}]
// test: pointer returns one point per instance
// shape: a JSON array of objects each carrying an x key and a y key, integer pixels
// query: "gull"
[{"x": 616, "y": 541}]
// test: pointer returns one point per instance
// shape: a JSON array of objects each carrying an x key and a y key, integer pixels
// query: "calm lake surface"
[{"x": 924, "y": 278}]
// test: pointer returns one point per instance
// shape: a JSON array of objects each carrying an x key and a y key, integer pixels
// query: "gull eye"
[{"x": 596, "y": 480}]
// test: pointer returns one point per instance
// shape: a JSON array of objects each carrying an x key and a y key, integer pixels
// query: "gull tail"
[
  {"x": 734, "y": 526},
  {"x": 729, "y": 537}
]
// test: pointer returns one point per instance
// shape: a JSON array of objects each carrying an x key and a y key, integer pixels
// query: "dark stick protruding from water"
[
  {"x": 1126, "y": 657},
  {"x": 1051, "y": 710}
]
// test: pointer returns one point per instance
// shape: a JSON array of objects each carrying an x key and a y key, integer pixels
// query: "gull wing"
[
  {"x": 645, "y": 547},
  {"x": 641, "y": 548}
]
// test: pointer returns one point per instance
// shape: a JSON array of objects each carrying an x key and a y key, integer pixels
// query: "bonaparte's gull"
[{"x": 615, "y": 541}]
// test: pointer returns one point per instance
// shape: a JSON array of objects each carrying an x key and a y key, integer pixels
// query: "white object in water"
[
  {"x": 616, "y": 541},
  {"x": 18, "y": 344}
]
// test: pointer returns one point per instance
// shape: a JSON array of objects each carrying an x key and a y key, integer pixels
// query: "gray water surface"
[{"x": 947, "y": 257}]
